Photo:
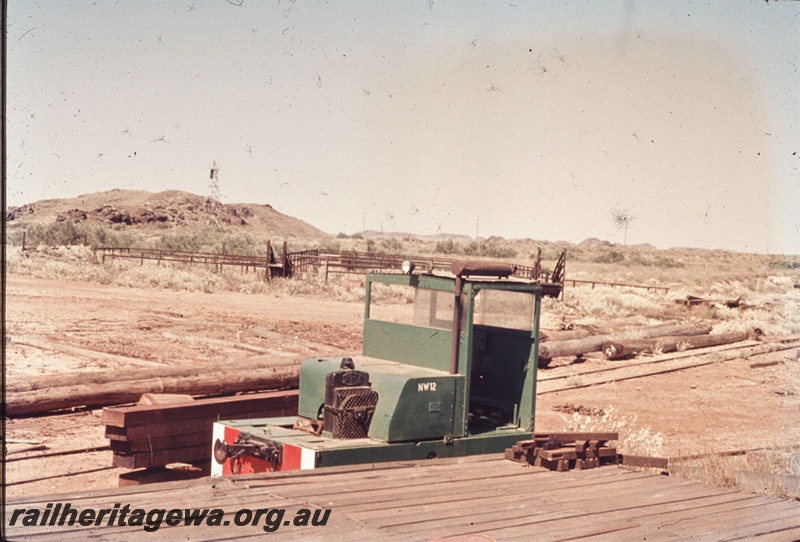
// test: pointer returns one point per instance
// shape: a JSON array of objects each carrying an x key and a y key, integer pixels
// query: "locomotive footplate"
[{"x": 302, "y": 450}]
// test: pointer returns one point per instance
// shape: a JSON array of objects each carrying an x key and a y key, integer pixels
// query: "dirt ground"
[{"x": 726, "y": 405}]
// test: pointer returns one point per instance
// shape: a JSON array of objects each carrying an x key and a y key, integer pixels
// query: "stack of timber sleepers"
[
  {"x": 564, "y": 451},
  {"x": 146, "y": 436}
]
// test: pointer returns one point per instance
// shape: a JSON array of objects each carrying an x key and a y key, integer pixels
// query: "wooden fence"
[
  {"x": 594, "y": 283},
  {"x": 318, "y": 260},
  {"x": 268, "y": 263}
]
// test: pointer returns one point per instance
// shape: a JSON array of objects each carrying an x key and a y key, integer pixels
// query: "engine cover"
[{"x": 411, "y": 403}]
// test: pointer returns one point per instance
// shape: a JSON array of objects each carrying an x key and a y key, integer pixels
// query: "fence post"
[
  {"x": 23, "y": 240},
  {"x": 267, "y": 269},
  {"x": 285, "y": 260},
  {"x": 326, "y": 270}
]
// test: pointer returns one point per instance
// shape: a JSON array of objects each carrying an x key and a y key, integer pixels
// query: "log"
[
  {"x": 635, "y": 320},
  {"x": 763, "y": 364},
  {"x": 577, "y": 347},
  {"x": 624, "y": 348},
  {"x": 692, "y": 300},
  {"x": 567, "y": 334},
  {"x": 96, "y": 378},
  {"x": 116, "y": 393}
]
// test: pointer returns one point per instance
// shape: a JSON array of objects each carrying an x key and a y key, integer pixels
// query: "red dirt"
[{"x": 723, "y": 406}]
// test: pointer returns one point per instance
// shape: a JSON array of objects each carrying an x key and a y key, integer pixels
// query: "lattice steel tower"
[{"x": 213, "y": 204}]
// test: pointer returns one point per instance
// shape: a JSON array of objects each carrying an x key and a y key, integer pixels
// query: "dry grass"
[
  {"x": 634, "y": 438},
  {"x": 765, "y": 282},
  {"x": 81, "y": 264},
  {"x": 761, "y": 471}
]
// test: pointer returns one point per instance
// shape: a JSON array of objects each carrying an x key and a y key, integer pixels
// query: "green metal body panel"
[
  {"x": 405, "y": 343},
  {"x": 415, "y": 403}
]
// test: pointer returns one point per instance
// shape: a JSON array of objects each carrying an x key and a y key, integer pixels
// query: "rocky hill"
[
  {"x": 168, "y": 209},
  {"x": 174, "y": 209}
]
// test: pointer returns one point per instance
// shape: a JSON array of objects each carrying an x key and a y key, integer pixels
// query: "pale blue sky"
[{"x": 517, "y": 118}]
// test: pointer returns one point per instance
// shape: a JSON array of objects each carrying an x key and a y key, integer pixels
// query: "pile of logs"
[
  {"x": 148, "y": 436},
  {"x": 27, "y": 395},
  {"x": 617, "y": 342}
]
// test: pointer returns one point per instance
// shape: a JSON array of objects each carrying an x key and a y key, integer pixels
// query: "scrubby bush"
[
  {"x": 652, "y": 261},
  {"x": 551, "y": 254},
  {"x": 612, "y": 256},
  {"x": 211, "y": 240},
  {"x": 489, "y": 249},
  {"x": 391, "y": 246},
  {"x": 607, "y": 302},
  {"x": 329, "y": 244},
  {"x": 448, "y": 246},
  {"x": 785, "y": 263},
  {"x": 481, "y": 249},
  {"x": 67, "y": 233}
]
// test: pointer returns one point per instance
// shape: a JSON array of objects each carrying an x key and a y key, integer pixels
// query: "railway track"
[{"x": 617, "y": 371}]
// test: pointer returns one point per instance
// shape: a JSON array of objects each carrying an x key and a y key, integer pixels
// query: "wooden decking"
[{"x": 447, "y": 498}]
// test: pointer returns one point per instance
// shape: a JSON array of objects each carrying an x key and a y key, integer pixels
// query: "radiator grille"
[{"x": 350, "y": 415}]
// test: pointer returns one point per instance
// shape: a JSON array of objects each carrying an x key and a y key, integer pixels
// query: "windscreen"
[
  {"x": 391, "y": 302},
  {"x": 433, "y": 308},
  {"x": 502, "y": 308}
]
